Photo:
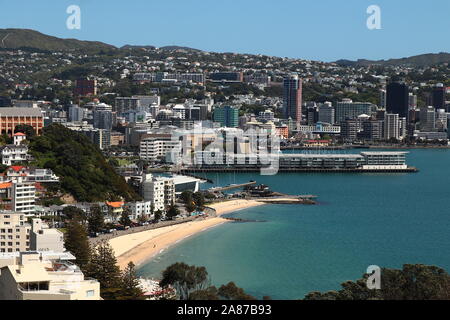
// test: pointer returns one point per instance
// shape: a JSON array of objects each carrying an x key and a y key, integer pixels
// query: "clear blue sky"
[{"x": 312, "y": 29}]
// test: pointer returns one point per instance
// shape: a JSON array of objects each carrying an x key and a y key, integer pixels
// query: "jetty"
[{"x": 232, "y": 186}]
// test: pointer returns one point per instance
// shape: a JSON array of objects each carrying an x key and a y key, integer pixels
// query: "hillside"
[
  {"x": 25, "y": 38},
  {"x": 82, "y": 168},
  {"x": 422, "y": 60}
]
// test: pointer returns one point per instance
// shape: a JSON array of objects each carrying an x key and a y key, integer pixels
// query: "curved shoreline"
[{"x": 143, "y": 246}]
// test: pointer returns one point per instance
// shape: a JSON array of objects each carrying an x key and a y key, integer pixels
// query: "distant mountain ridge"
[
  {"x": 26, "y": 38},
  {"x": 421, "y": 60}
]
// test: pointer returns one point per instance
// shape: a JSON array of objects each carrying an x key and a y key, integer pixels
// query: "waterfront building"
[
  {"x": 372, "y": 130},
  {"x": 397, "y": 99},
  {"x": 292, "y": 98},
  {"x": 319, "y": 128},
  {"x": 45, "y": 276},
  {"x": 373, "y": 161},
  {"x": 391, "y": 126},
  {"x": 427, "y": 119},
  {"x": 159, "y": 190},
  {"x": 349, "y": 129}
]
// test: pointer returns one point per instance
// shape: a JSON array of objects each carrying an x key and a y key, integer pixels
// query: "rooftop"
[{"x": 20, "y": 112}]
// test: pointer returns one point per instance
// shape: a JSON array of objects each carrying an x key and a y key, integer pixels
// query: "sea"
[{"x": 360, "y": 220}]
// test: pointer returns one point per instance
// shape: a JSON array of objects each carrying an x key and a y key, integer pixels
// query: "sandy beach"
[{"x": 142, "y": 246}]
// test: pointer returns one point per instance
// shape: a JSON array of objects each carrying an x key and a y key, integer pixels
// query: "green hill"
[
  {"x": 82, "y": 168},
  {"x": 26, "y": 38},
  {"x": 422, "y": 60}
]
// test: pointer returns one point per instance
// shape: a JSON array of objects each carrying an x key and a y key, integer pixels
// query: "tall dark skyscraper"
[
  {"x": 438, "y": 96},
  {"x": 397, "y": 99},
  {"x": 292, "y": 97}
]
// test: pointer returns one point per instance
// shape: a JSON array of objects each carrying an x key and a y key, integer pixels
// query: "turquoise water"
[{"x": 362, "y": 219}]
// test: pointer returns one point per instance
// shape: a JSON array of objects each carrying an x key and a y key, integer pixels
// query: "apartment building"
[
  {"x": 45, "y": 276},
  {"x": 17, "y": 235},
  {"x": 159, "y": 190},
  {"x": 157, "y": 147},
  {"x": 23, "y": 196}
]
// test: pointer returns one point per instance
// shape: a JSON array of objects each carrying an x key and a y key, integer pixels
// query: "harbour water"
[{"x": 361, "y": 220}]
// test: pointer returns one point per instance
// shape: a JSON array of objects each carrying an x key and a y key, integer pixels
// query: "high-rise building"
[
  {"x": 292, "y": 98},
  {"x": 326, "y": 113},
  {"x": 397, "y": 99},
  {"x": 227, "y": 116},
  {"x": 75, "y": 113},
  {"x": 427, "y": 119},
  {"x": 412, "y": 101},
  {"x": 159, "y": 190},
  {"x": 383, "y": 98},
  {"x": 438, "y": 96},
  {"x": 347, "y": 109},
  {"x": 349, "y": 129},
  {"x": 391, "y": 126}
]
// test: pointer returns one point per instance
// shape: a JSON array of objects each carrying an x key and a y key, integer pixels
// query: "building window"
[{"x": 90, "y": 293}]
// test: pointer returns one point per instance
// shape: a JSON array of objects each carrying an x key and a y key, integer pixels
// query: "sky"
[{"x": 325, "y": 30}]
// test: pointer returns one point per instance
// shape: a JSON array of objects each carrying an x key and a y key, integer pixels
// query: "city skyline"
[{"x": 256, "y": 29}]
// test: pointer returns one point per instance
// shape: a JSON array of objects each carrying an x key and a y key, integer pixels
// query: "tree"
[
  {"x": 96, "y": 219},
  {"x": 199, "y": 200},
  {"x": 413, "y": 282},
  {"x": 77, "y": 243},
  {"x": 25, "y": 128},
  {"x": 143, "y": 218},
  {"x": 125, "y": 218},
  {"x": 103, "y": 267},
  {"x": 158, "y": 215},
  {"x": 186, "y": 196},
  {"x": 190, "y": 207},
  {"x": 72, "y": 212},
  {"x": 185, "y": 279},
  {"x": 232, "y": 292},
  {"x": 130, "y": 284},
  {"x": 172, "y": 212}
]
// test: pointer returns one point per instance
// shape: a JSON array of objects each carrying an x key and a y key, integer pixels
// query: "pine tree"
[
  {"x": 103, "y": 267},
  {"x": 125, "y": 218},
  {"x": 130, "y": 284},
  {"x": 96, "y": 219},
  {"x": 77, "y": 243}
]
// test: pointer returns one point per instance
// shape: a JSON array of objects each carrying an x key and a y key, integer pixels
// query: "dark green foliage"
[
  {"x": 72, "y": 212},
  {"x": 96, "y": 219},
  {"x": 192, "y": 283},
  {"x": 83, "y": 170},
  {"x": 185, "y": 279},
  {"x": 103, "y": 267},
  {"x": 125, "y": 218},
  {"x": 27, "y": 129},
  {"x": 77, "y": 243},
  {"x": 130, "y": 289},
  {"x": 232, "y": 292},
  {"x": 172, "y": 212},
  {"x": 158, "y": 215},
  {"x": 413, "y": 282}
]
